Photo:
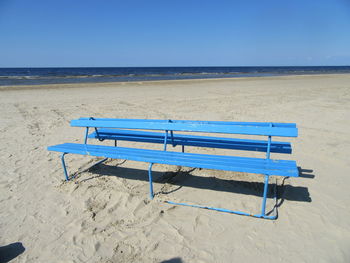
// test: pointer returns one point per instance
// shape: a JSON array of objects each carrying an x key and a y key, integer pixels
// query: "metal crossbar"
[{"x": 263, "y": 204}]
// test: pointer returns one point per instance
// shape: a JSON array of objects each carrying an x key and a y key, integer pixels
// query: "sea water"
[{"x": 34, "y": 76}]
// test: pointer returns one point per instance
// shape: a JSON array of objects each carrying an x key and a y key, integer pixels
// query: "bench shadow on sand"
[{"x": 186, "y": 179}]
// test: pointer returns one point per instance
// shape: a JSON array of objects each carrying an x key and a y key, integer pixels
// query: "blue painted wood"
[
  {"x": 218, "y": 162},
  {"x": 259, "y": 161},
  {"x": 263, "y": 124},
  {"x": 189, "y": 127},
  {"x": 191, "y": 140}
]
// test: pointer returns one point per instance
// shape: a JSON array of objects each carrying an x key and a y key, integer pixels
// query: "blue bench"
[
  {"x": 133, "y": 130},
  {"x": 189, "y": 140}
]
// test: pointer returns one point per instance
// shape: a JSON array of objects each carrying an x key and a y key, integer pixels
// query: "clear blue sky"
[{"x": 48, "y": 33}]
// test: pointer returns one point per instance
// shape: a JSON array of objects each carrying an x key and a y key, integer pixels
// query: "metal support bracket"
[{"x": 165, "y": 140}]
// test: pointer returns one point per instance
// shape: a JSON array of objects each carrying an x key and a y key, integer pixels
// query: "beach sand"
[{"x": 104, "y": 214}]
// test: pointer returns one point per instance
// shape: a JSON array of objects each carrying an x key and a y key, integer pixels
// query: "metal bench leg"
[
  {"x": 262, "y": 215},
  {"x": 263, "y": 204},
  {"x": 64, "y": 166},
  {"x": 150, "y": 181}
]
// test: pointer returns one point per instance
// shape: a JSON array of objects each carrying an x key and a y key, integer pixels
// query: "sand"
[{"x": 104, "y": 214}]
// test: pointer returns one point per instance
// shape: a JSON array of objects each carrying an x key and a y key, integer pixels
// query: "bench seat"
[
  {"x": 190, "y": 140},
  {"x": 219, "y": 162}
]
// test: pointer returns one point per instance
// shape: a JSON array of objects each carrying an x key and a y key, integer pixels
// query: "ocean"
[{"x": 36, "y": 76}]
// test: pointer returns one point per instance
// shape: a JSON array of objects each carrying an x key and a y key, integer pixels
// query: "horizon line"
[{"x": 174, "y": 66}]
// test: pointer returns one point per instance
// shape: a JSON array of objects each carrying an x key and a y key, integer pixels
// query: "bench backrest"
[{"x": 247, "y": 128}]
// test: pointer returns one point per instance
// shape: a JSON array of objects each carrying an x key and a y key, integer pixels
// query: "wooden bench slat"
[
  {"x": 229, "y": 163},
  {"x": 191, "y": 140},
  {"x": 263, "y": 124},
  {"x": 189, "y": 127},
  {"x": 179, "y": 155}
]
